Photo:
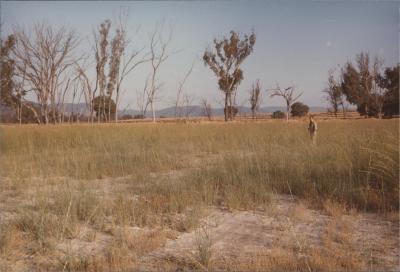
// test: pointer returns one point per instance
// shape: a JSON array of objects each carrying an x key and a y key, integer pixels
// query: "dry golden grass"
[{"x": 83, "y": 182}]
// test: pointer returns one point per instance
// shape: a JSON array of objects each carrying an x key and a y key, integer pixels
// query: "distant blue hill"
[
  {"x": 195, "y": 111},
  {"x": 192, "y": 111}
]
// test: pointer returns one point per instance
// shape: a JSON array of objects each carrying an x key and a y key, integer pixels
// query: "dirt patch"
[
  {"x": 287, "y": 235},
  {"x": 288, "y": 229}
]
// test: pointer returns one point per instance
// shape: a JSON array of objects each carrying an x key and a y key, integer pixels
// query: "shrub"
[
  {"x": 102, "y": 105},
  {"x": 232, "y": 111},
  {"x": 299, "y": 109},
  {"x": 126, "y": 117},
  {"x": 138, "y": 116},
  {"x": 278, "y": 115}
]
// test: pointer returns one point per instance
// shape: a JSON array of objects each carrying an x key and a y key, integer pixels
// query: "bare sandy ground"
[
  {"x": 288, "y": 228},
  {"x": 287, "y": 233}
]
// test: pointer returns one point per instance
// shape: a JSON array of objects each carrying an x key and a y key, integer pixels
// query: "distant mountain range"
[
  {"x": 192, "y": 111},
  {"x": 195, "y": 111}
]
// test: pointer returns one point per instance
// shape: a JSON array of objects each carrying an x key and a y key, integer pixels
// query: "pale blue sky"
[{"x": 297, "y": 41}]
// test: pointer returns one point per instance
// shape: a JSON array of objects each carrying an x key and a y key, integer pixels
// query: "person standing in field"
[{"x": 312, "y": 129}]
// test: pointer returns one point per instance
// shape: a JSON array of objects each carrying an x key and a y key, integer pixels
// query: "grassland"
[{"x": 90, "y": 183}]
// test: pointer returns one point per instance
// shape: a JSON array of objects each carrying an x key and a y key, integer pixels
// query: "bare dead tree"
[
  {"x": 152, "y": 96},
  {"x": 141, "y": 100},
  {"x": 255, "y": 98},
  {"x": 225, "y": 62},
  {"x": 88, "y": 89},
  {"x": 158, "y": 55},
  {"x": 119, "y": 65},
  {"x": 207, "y": 109},
  {"x": 74, "y": 93},
  {"x": 42, "y": 58},
  {"x": 179, "y": 94},
  {"x": 61, "y": 100},
  {"x": 187, "y": 103},
  {"x": 288, "y": 95},
  {"x": 119, "y": 68},
  {"x": 79, "y": 101},
  {"x": 127, "y": 67},
  {"x": 128, "y": 63},
  {"x": 21, "y": 103}
]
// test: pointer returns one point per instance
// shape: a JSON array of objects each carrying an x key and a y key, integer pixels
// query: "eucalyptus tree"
[
  {"x": 225, "y": 60},
  {"x": 255, "y": 98},
  {"x": 334, "y": 93}
]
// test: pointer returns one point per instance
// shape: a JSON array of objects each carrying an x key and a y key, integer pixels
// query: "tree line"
[
  {"x": 366, "y": 84},
  {"x": 44, "y": 61}
]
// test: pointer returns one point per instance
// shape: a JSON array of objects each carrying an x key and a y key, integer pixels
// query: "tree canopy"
[
  {"x": 299, "y": 109},
  {"x": 225, "y": 60}
]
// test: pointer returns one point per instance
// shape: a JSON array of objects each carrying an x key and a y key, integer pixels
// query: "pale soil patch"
[
  {"x": 287, "y": 235},
  {"x": 256, "y": 240}
]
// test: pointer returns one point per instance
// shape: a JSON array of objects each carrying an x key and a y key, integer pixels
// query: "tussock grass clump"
[{"x": 204, "y": 248}]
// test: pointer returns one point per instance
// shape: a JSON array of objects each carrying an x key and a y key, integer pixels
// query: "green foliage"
[
  {"x": 278, "y": 115},
  {"x": 351, "y": 83},
  {"x": 126, "y": 117},
  {"x": 102, "y": 105},
  {"x": 299, "y": 109},
  {"x": 138, "y": 116},
  {"x": 334, "y": 93},
  {"x": 357, "y": 85},
  {"x": 390, "y": 81},
  {"x": 231, "y": 111},
  {"x": 255, "y": 97},
  {"x": 225, "y": 61},
  {"x": 7, "y": 94}
]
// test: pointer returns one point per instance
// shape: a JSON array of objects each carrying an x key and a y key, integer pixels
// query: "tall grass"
[
  {"x": 60, "y": 183},
  {"x": 235, "y": 164}
]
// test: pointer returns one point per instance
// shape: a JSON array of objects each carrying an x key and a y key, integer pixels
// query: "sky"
[{"x": 297, "y": 41}]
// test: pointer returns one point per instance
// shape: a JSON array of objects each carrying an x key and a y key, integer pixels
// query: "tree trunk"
[
  {"x": 153, "y": 112},
  {"x": 109, "y": 110},
  {"x": 230, "y": 107},
  {"x": 34, "y": 113},
  {"x": 20, "y": 113},
  {"x": 116, "y": 105},
  {"x": 45, "y": 114},
  {"x": 103, "y": 109},
  {"x": 344, "y": 111},
  {"x": 46, "y": 118},
  {"x": 53, "y": 111},
  {"x": 226, "y": 107},
  {"x": 91, "y": 111},
  {"x": 287, "y": 112},
  {"x": 380, "y": 111}
]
